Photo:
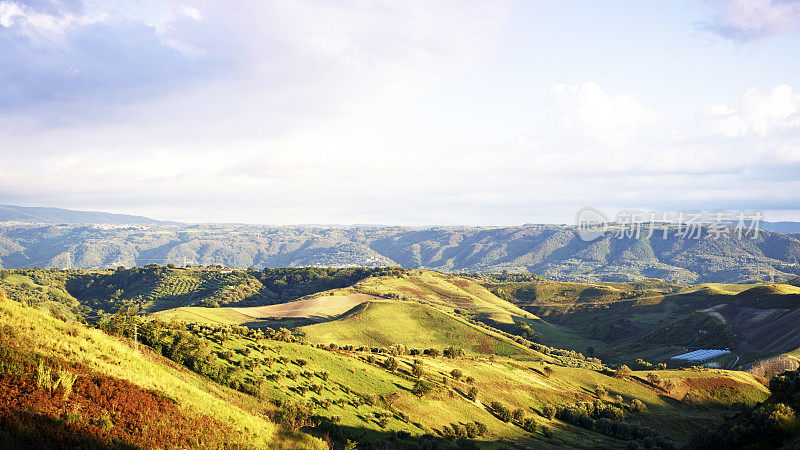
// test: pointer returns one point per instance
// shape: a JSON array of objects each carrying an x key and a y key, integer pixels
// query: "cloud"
[
  {"x": 588, "y": 111},
  {"x": 60, "y": 60},
  {"x": 745, "y": 20},
  {"x": 760, "y": 112}
]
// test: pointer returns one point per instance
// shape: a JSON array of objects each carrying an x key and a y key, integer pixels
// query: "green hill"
[
  {"x": 33, "y": 337},
  {"x": 388, "y": 323},
  {"x": 363, "y": 377}
]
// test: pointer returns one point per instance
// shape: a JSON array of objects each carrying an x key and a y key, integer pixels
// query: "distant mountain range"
[
  {"x": 554, "y": 251},
  {"x": 12, "y": 213}
]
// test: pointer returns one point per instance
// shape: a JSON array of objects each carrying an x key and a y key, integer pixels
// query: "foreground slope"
[{"x": 31, "y": 335}]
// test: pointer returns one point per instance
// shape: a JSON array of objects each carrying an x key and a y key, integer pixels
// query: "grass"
[
  {"x": 392, "y": 322},
  {"x": 450, "y": 292},
  {"x": 47, "y": 337}
]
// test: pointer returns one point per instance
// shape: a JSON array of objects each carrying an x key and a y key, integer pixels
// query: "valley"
[{"x": 408, "y": 357}]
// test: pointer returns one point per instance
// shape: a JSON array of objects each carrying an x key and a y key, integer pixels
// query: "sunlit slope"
[
  {"x": 393, "y": 322},
  {"x": 46, "y": 337},
  {"x": 318, "y": 308},
  {"x": 452, "y": 292}
]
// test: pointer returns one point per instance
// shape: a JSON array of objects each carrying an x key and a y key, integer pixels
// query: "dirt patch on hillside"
[{"x": 318, "y": 309}]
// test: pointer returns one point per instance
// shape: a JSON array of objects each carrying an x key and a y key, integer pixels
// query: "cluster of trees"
[
  {"x": 770, "y": 424},
  {"x": 468, "y": 430},
  {"x": 294, "y": 282},
  {"x": 516, "y": 416},
  {"x": 610, "y": 420}
]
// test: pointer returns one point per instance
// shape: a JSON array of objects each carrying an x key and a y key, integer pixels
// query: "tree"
[
  {"x": 472, "y": 393},
  {"x": 623, "y": 372},
  {"x": 548, "y": 412},
  {"x": 421, "y": 387},
  {"x": 518, "y": 414},
  {"x": 502, "y": 412},
  {"x": 453, "y": 352},
  {"x": 653, "y": 378},
  {"x": 456, "y": 374},
  {"x": 391, "y": 364},
  {"x": 417, "y": 371}
]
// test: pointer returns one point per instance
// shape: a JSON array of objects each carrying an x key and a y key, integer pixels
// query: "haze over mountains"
[{"x": 74, "y": 239}]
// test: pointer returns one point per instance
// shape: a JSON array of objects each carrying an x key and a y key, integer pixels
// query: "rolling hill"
[{"x": 362, "y": 376}]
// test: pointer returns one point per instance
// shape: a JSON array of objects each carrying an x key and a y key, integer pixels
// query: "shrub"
[
  {"x": 623, "y": 372},
  {"x": 600, "y": 391},
  {"x": 637, "y": 405},
  {"x": 502, "y": 412},
  {"x": 421, "y": 387},
  {"x": 453, "y": 352},
  {"x": 469, "y": 380},
  {"x": 472, "y": 393},
  {"x": 293, "y": 416},
  {"x": 67, "y": 380},
  {"x": 416, "y": 369},
  {"x": 44, "y": 376},
  {"x": 528, "y": 425},
  {"x": 301, "y": 362}
]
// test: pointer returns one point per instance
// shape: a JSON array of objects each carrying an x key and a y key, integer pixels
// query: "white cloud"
[
  {"x": 753, "y": 19},
  {"x": 588, "y": 111},
  {"x": 8, "y": 12},
  {"x": 760, "y": 112}
]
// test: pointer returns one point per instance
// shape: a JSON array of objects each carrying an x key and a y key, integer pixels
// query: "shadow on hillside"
[
  {"x": 368, "y": 439},
  {"x": 27, "y": 430}
]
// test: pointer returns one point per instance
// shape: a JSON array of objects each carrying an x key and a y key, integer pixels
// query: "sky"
[{"x": 400, "y": 112}]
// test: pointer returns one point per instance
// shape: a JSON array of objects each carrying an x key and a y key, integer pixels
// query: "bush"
[
  {"x": 502, "y": 412},
  {"x": 453, "y": 352},
  {"x": 421, "y": 387},
  {"x": 293, "y": 416},
  {"x": 416, "y": 369},
  {"x": 528, "y": 425},
  {"x": 623, "y": 372}
]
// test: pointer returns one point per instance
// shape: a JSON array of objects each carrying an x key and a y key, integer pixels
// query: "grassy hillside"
[
  {"x": 450, "y": 292},
  {"x": 654, "y": 320},
  {"x": 387, "y": 323},
  {"x": 377, "y": 375},
  {"x": 155, "y": 288},
  {"x": 31, "y": 335}
]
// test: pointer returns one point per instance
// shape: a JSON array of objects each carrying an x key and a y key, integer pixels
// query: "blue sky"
[{"x": 410, "y": 112}]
